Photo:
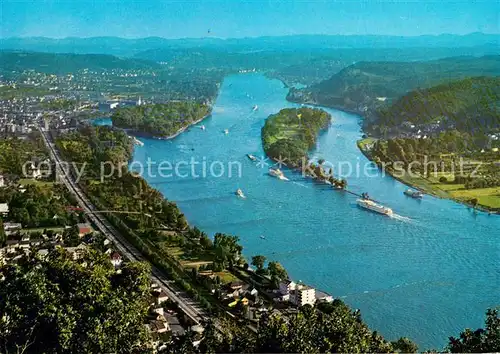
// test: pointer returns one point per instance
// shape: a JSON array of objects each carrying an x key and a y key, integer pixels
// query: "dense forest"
[
  {"x": 369, "y": 85},
  {"x": 471, "y": 105},
  {"x": 160, "y": 120},
  {"x": 62, "y": 305},
  {"x": 291, "y": 133},
  {"x": 16, "y": 153}
]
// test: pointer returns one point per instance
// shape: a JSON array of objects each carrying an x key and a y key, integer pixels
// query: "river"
[{"x": 426, "y": 276}]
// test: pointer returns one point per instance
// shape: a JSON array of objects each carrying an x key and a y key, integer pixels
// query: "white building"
[
  {"x": 4, "y": 209},
  {"x": 303, "y": 295},
  {"x": 2, "y": 181}
]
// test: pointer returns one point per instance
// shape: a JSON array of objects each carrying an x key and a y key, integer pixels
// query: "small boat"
[
  {"x": 413, "y": 194},
  {"x": 202, "y": 127},
  {"x": 239, "y": 193},
  {"x": 136, "y": 141},
  {"x": 255, "y": 108},
  {"x": 372, "y": 206},
  {"x": 226, "y": 131},
  {"x": 251, "y": 157},
  {"x": 263, "y": 237},
  {"x": 277, "y": 173}
]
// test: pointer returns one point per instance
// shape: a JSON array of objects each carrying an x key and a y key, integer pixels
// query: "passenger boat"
[
  {"x": 239, "y": 193},
  {"x": 251, "y": 157},
  {"x": 413, "y": 194},
  {"x": 277, "y": 173},
  {"x": 372, "y": 206}
]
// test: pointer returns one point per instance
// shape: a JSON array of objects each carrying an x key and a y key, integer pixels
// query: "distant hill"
[
  {"x": 471, "y": 105},
  {"x": 129, "y": 47},
  {"x": 367, "y": 86},
  {"x": 66, "y": 63}
]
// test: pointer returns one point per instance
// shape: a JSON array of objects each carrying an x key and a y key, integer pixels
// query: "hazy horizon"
[
  {"x": 225, "y": 19},
  {"x": 263, "y": 36}
]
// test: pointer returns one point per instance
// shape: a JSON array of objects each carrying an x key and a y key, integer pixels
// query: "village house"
[
  {"x": 160, "y": 296},
  {"x": 11, "y": 228},
  {"x": 43, "y": 253},
  {"x": 4, "y": 209},
  {"x": 235, "y": 289},
  {"x": 2, "y": 181},
  {"x": 76, "y": 252},
  {"x": 84, "y": 229},
  {"x": 116, "y": 259},
  {"x": 156, "y": 326},
  {"x": 33, "y": 171},
  {"x": 12, "y": 246},
  {"x": 286, "y": 286},
  {"x": 174, "y": 324}
]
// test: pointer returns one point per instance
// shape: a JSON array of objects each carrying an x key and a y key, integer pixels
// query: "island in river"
[
  {"x": 164, "y": 121},
  {"x": 289, "y": 135}
]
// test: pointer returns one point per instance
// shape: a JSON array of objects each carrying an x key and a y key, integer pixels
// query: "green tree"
[
  {"x": 404, "y": 345},
  {"x": 258, "y": 262},
  {"x": 482, "y": 340},
  {"x": 71, "y": 237},
  {"x": 277, "y": 272},
  {"x": 60, "y": 305},
  {"x": 227, "y": 250}
]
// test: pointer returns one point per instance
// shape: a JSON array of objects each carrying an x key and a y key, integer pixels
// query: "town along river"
[{"x": 426, "y": 276}]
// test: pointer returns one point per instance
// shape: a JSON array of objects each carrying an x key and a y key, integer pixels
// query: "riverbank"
[
  {"x": 434, "y": 187},
  {"x": 146, "y": 135},
  {"x": 161, "y": 121},
  {"x": 387, "y": 268}
]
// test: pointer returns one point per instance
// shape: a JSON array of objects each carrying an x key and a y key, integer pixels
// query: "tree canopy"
[
  {"x": 160, "y": 120},
  {"x": 291, "y": 133},
  {"x": 482, "y": 340},
  {"x": 60, "y": 305}
]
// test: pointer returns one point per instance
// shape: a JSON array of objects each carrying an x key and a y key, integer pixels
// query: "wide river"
[{"x": 426, "y": 276}]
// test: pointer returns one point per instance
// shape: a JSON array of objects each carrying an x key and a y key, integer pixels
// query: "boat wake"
[
  {"x": 299, "y": 184},
  {"x": 400, "y": 218}
]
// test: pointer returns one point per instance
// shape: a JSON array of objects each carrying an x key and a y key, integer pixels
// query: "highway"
[{"x": 191, "y": 308}]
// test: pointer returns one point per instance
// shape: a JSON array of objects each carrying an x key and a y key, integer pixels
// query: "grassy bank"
[{"x": 441, "y": 184}]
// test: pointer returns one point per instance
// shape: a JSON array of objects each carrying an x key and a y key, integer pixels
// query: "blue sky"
[{"x": 235, "y": 18}]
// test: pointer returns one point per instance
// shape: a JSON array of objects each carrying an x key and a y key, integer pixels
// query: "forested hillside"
[
  {"x": 369, "y": 85},
  {"x": 468, "y": 105}
]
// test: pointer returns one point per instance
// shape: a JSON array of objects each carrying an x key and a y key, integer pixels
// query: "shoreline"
[
  {"x": 430, "y": 192},
  {"x": 141, "y": 134}
]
